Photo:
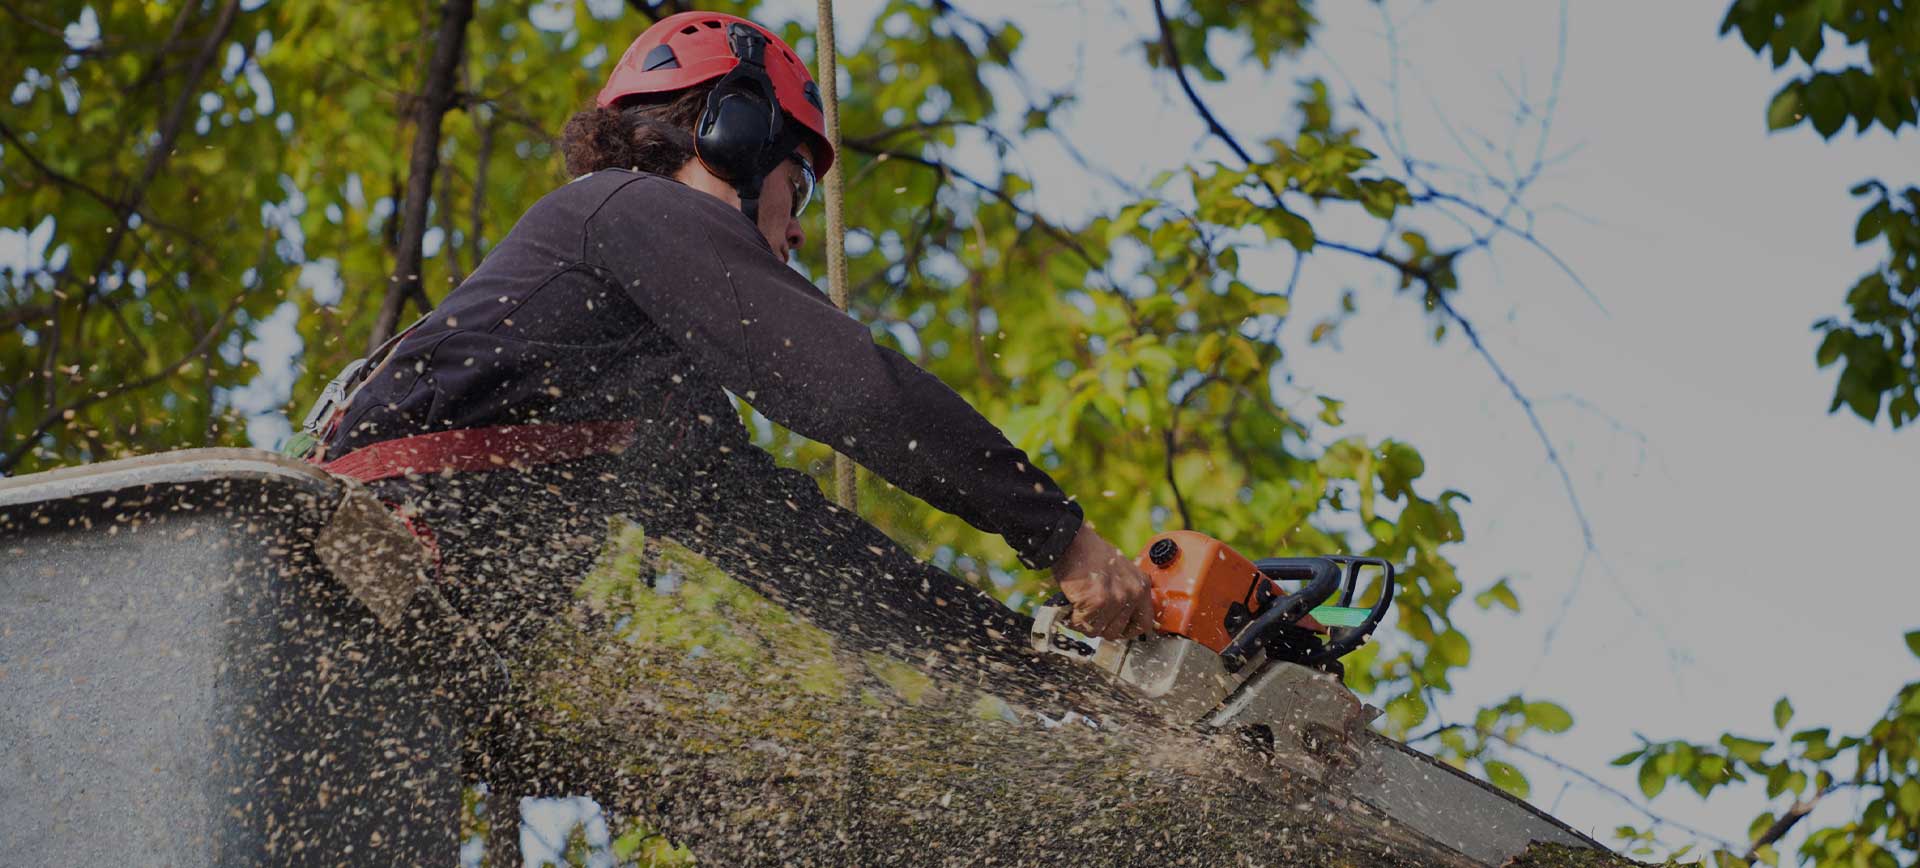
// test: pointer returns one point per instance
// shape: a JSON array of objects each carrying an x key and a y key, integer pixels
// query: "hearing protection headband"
[{"x": 742, "y": 136}]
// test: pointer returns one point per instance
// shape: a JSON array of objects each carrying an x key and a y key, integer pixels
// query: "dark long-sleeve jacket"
[{"x": 625, "y": 295}]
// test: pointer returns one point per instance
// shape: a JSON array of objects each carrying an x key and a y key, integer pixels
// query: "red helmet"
[{"x": 691, "y": 48}]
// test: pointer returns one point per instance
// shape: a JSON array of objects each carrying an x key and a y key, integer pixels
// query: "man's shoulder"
[
  {"x": 625, "y": 196},
  {"x": 630, "y": 186},
  {"x": 595, "y": 188}
]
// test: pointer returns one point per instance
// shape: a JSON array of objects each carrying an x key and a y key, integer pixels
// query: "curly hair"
[{"x": 648, "y": 135}]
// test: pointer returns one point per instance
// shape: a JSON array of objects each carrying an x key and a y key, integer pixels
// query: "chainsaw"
[{"x": 1234, "y": 649}]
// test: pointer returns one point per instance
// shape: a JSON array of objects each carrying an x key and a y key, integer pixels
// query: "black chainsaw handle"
[
  {"x": 1322, "y": 576},
  {"x": 1344, "y": 640}
]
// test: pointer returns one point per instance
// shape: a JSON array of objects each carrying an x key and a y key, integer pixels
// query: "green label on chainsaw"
[{"x": 1340, "y": 616}]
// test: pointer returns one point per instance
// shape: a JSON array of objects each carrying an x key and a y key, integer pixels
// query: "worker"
[{"x": 583, "y": 369}]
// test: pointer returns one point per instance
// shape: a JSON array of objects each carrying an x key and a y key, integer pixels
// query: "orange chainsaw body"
[{"x": 1195, "y": 590}]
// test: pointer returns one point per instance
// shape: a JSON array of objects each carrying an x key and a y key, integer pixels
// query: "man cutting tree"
[{"x": 593, "y": 350}]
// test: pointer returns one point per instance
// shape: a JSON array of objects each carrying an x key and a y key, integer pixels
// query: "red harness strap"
[{"x": 469, "y": 450}]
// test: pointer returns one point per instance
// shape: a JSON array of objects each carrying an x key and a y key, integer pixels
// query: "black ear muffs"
[{"x": 741, "y": 131}]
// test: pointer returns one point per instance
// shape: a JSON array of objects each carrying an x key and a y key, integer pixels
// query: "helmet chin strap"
[
  {"x": 749, "y": 188},
  {"x": 750, "y": 199}
]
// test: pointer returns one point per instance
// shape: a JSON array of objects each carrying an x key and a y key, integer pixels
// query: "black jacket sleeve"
[{"x": 701, "y": 271}]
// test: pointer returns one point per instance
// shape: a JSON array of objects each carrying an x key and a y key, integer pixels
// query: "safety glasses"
[{"x": 803, "y": 182}]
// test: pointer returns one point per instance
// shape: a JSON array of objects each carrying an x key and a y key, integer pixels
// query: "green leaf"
[
  {"x": 1782, "y": 713},
  {"x": 1453, "y": 648},
  {"x": 1274, "y": 305},
  {"x": 1652, "y": 780},
  {"x": 1406, "y": 711},
  {"x": 1508, "y": 778},
  {"x": 1129, "y": 219},
  {"x": 1831, "y": 347},
  {"x": 1913, "y": 642},
  {"x": 1909, "y": 797},
  {"x": 1784, "y": 111},
  {"x": 1627, "y": 759},
  {"x": 1330, "y": 411},
  {"x": 1280, "y": 223},
  {"x": 1549, "y": 717},
  {"x": 1499, "y": 593},
  {"x": 1745, "y": 749},
  {"x": 1871, "y": 223},
  {"x": 1826, "y": 104},
  {"x": 1209, "y": 351}
]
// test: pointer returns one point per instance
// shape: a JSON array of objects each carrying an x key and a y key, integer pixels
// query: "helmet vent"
[
  {"x": 661, "y": 57},
  {"x": 689, "y": 29},
  {"x": 713, "y": 24}
]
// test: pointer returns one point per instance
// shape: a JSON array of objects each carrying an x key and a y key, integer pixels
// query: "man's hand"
[{"x": 1111, "y": 597}]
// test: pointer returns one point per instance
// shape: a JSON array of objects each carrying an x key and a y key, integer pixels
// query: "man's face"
[{"x": 787, "y": 189}]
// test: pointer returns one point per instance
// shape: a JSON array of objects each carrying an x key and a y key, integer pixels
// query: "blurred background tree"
[
  {"x": 226, "y": 202},
  {"x": 1858, "y": 61}
]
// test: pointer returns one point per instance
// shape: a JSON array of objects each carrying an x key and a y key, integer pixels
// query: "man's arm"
[{"x": 702, "y": 272}]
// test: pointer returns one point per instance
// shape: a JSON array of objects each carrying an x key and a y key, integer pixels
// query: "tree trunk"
[{"x": 684, "y": 700}]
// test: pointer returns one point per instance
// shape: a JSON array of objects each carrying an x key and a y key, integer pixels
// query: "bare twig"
[
  {"x": 478, "y": 219},
  {"x": 456, "y": 272},
  {"x": 1631, "y": 802},
  {"x": 1424, "y": 274},
  {"x": 1172, "y": 435},
  {"x": 1065, "y": 238},
  {"x": 1179, "y": 68},
  {"x": 20, "y": 316}
]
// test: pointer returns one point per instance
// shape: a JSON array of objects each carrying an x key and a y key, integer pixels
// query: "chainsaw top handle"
[
  {"x": 1342, "y": 641},
  {"x": 1322, "y": 576}
]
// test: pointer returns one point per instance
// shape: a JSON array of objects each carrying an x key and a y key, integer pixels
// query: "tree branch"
[
  {"x": 436, "y": 97},
  {"x": 207, "y": 341},
  {"x": 1785, "y": 823},
  {"x": 118, "y": 206},
  {"x": 130, "y": 203},
  {"x": 1066, "y": 239},
  {"x": 1172, "y": 435},
  {"x": 921, "y": 236},
  {"x": 1179, "y": 68}
]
